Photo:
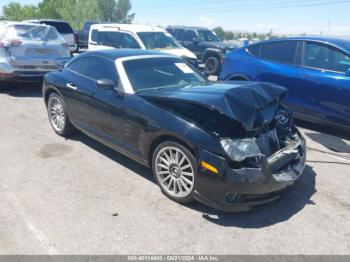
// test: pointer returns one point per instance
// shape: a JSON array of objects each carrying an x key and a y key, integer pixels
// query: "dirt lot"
[{"x": 77, "y": 196}]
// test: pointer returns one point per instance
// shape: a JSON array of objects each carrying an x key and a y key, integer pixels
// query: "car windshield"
[
  {"x": 158, "y": 40},
  {"x": 161, "y": 72},
  {"x": 208, "y": 36},
  {"x": 33, "y": 32}
]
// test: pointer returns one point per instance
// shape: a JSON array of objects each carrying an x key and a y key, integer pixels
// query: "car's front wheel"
[
  {"x": 58, "y": 116},
  {"x": 174, "y": 168}
]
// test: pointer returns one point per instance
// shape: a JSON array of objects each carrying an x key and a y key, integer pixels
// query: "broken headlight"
[{"x": 240, "y": 149}]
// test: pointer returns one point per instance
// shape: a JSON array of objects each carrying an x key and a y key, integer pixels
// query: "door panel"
[
  {"x": 108, "y": 116},
  {"x": 323, "y": 88},
  {"x": 280, "y": 67},
  {"x": 122, "y": 119},
  {"x": 77, "y": 91},
  {"x": 324, "y": 95}
]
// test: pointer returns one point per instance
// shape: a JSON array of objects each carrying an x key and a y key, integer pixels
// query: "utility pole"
[
  {"x": 270, "y": 33},
  {"x": 329, "y": 26}
]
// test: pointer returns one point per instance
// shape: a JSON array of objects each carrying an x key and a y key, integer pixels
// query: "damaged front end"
[
  {"x": 255, "y": 170},
  {"x": 257, "y": 153}
]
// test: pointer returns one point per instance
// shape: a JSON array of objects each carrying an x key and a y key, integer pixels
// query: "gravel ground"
[{"x": 77, "y": 196}]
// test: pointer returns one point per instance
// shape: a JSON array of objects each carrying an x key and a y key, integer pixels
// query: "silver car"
[{"x": 29, "y": 51}]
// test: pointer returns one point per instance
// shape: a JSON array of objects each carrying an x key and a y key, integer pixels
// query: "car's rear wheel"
[
  {"x": 212, "y": 65},
  {"x": 58, "y": 115},
  {"x": 174, "y": 168}
]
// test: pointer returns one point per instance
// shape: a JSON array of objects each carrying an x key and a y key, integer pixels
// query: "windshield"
[
  {"x": 33, "y": 32},
  {"x": 208, "y": 36},
  {"x": 158, "y": 40},
  {"x": 161, "y": 72}
]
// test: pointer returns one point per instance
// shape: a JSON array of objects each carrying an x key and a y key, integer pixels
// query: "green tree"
[
  {"x": 50, "y": 9},
  {"x": 75, "y": 12},
  {"x": 17, "y": 12},
  {"x": 107, "y": 10},
  {"x": 123, "y": 8},
  {"x": 220, "y": 32},
  {"x": 229, "y": 35}
]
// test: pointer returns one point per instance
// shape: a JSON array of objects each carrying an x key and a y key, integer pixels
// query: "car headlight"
[
  {"x": 6, "y": 68},
  {"x": 240, "y": 149}
]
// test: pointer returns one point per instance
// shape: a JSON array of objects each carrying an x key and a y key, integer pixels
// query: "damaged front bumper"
[{"x": 235, "y": 189}]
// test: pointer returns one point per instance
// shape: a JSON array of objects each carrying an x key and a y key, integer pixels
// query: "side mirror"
[
  {"x": 347, "y": 72},
  {"x": 105, "y": 84},
  {"x": 195, "y": 40}
]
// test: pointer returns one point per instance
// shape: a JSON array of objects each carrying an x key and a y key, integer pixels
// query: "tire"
[
  {"x": 174, "y": 168},
  {"x": 58, "y": 116},
  {"x": 212, "y": 65}
]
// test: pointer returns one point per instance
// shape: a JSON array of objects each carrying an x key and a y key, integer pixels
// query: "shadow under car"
[{"x": 291, "y": 201}]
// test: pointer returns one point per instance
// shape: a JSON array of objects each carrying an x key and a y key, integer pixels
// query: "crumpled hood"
[{"x": 253, "y": 104}]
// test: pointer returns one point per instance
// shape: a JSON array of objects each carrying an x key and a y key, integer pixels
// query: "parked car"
[
  {"x": 206, "y": 45},
  {"x": 63, "y": 28},
  {"x": 315, "y": 70},
  {"x": 104, "y": 36},
  {"x": 230, "y": 146},
  {"x": 29, "y": 51},
  {"x": 83, "y": 35}
]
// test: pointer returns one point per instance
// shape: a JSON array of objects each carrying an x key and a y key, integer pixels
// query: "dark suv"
[{"x": 207, "y": 46}]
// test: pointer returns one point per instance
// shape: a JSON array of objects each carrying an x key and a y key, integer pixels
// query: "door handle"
[{"x": 71, "y": 86}]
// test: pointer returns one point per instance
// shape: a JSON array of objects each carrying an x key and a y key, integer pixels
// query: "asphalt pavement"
[{"x": 76, "y": 196}]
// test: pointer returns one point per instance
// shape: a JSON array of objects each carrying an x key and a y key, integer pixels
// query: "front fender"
[{"x": 49, "y": 86}]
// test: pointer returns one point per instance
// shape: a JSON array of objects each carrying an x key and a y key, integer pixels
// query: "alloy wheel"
[
  {"x": 56, "y": 114},
  {"x": 174, "y": 172}
]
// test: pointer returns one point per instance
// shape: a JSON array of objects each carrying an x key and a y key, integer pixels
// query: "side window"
[
  {"x": 190, "y": 35},
  {"x": 75, "y": 65},
  {"x": 127, "y": 41},
  {"x": 108, "y": 38},
  {"x": 254, "y": 49},
  {"x": 325, "y": 57},
  {"x": 283, "y": 51},
  {"x": 94, "y": 35},
  {"x": 52, "y": 35},
  {"x": 180, "y": 34},
  {"x": 99, "y": 68}
]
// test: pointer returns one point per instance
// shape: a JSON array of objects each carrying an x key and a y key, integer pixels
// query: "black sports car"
[{"x": 232, "y": 146}]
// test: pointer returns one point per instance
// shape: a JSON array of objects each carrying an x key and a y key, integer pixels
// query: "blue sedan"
[{"x": 314, "y": 70}]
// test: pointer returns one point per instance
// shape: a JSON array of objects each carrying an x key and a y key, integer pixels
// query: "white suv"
[{"x": 104, "y": 36}]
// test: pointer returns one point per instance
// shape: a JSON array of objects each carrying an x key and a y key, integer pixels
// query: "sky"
[{"x": 281, "y": 16}]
